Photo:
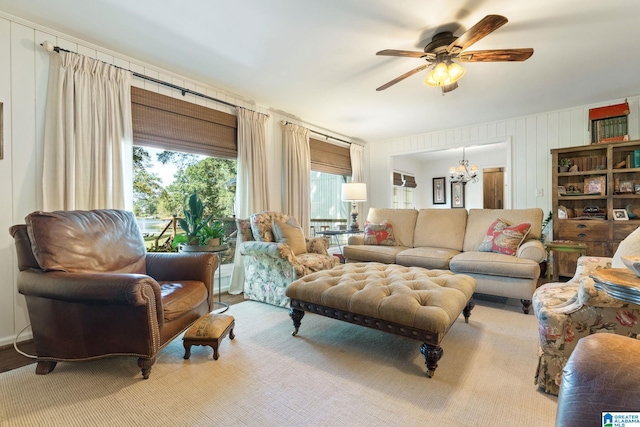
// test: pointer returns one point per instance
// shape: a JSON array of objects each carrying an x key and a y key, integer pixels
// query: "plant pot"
[
  {"x": 200, "y": 248},
  {"x": 563, "y": 168}
]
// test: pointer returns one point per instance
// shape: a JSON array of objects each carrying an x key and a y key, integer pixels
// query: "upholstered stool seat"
[
  {"x": 209, "y": 330},
  {"x": 408, "y": 301}
]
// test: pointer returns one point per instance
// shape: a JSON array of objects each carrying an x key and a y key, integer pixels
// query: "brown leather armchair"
[
  {"x": 92, "y": 290},
  {"x": 600, "y": 377}
]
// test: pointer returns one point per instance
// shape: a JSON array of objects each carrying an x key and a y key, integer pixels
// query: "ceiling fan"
[{"x": 444, "y": 48}]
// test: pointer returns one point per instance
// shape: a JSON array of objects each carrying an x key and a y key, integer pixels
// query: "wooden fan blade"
[
  {"x": 402, "y": 77},
  {"x": 486, "y": 26},
  {"x": 496, "y": 55},
  {"x": 405, "y": 53}
]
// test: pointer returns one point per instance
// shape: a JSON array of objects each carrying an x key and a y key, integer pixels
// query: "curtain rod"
[
  {"x": 50, "y": 47},
  {"x": 321, "y": 134}
]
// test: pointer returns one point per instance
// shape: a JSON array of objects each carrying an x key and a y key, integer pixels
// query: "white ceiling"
[{"x": 316, "y": 59}]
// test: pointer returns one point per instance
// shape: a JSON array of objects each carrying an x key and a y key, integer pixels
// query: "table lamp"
[{"x": 354, "y": 192}]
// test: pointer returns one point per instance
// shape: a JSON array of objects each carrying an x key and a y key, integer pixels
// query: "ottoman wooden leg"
[
  {"x": 432, "y": 353},
  {"x": 296, "y": 316},
  {"x": 467, "y": 310}
]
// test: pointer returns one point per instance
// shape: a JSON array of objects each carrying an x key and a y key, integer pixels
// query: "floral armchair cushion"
[{"x": 262, "y": 225}]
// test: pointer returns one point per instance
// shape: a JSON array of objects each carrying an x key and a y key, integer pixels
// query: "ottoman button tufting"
[{"x": 209, "y": 330}]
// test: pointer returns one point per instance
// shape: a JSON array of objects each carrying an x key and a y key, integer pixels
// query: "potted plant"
[
  {"x": 200, "y": 231},
  {"x": 564, "y": 164},
  {"x": 212, "y": 233}
]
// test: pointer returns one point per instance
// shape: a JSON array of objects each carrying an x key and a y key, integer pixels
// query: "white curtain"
[
  {"x": 251, "y": 183},
  {"x": 297, "y": 174},
  {"x": 357, "y": 163},
  {"x": 356, "y": 152},
  {"x": 88, "y": 139}
]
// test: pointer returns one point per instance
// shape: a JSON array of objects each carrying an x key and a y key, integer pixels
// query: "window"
[
  {"x": 328, "y": 211},
  {"x": 181, "y": 147},
  {"x": 330, "y": 167},
  {"x": 403, "y": 188},
  {"x": 162, "y": 179}
]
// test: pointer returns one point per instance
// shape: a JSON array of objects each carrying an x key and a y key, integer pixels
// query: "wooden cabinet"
[{"x": 584, "y": 200}]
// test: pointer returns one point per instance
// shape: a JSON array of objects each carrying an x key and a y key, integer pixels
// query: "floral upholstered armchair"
[
  {"x": 569, "y": 311},
  {"x": 275, "y": 252}
]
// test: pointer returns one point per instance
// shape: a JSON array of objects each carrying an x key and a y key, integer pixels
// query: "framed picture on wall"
[
  {"x": 457, "y": 195},
  {"x": 439, "y": 191}
]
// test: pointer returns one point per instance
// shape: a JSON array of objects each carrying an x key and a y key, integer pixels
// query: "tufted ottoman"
[{"x": 408, "y": 301}]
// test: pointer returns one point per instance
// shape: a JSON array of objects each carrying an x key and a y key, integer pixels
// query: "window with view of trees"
[{"x": 162, "y": 179}]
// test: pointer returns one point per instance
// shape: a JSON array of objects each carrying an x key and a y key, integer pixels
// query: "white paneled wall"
[
  {"x": 24, "y": 69},
  {"x": 531, "y": 137}
]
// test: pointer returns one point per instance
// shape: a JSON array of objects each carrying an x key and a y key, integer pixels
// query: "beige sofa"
[{"x": 450, "y": 238}]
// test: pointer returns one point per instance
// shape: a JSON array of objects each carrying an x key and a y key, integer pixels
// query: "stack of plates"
[{"x": 618, "y": 283}]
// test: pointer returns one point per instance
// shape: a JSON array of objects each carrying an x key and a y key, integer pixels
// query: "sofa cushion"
[
  {"x": 291, "y": 235},
  {"x": 371, "y": 253},
  {"x": 104, "y": 240},
  {"x": 403, "y": 220},
  {"x": 440, "y": 228},
  {"x": 426, "y": 257},
  {"x": 493, "y": 264},
  {"x": 479, "y": 220},
  {"x": 379, "y": 234}
]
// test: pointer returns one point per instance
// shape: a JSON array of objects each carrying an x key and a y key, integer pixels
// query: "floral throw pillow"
[
  {"x": 495, "y": 227},
  {"x": 503, "y": 238},
  {"x": 379, "y": 234},
  {"x": 510, "y": 238}
]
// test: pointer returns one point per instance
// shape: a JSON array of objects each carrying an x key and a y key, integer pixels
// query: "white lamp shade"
[{"x": 354, "y": 191}]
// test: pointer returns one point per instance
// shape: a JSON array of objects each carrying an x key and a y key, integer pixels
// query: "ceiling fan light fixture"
[
  {"x": 441, "y": 73},
  {"x": 455, "y": 72},
  {"x": 449, "y": 88},
  {"x": 430, "y": 81}
]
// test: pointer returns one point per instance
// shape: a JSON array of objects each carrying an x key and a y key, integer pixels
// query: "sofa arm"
[
  {"x": 268, "y": 249},
  {"x": 587, "y": 265},
  {"x": 356, "y": 240},
  {"x": 106, "y": 288},
  {"x": 533, "y": 250}
]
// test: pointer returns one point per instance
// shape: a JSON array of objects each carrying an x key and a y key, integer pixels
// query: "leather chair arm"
[
  {"x": 200, "y": 266},
  {"x": 109, "y": 288},
  {"x": 601, "y": 375}
]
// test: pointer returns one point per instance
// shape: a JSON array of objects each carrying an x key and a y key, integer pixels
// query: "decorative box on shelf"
[{"x": 610, "y": 123}]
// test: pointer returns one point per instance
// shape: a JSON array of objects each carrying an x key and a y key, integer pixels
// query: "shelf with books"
[{"x": 584, "y": 200}]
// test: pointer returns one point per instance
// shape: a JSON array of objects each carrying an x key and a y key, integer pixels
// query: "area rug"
[{"x": 332, "y": 374}]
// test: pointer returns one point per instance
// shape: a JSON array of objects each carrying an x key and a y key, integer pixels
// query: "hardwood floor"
[{"x": 11, "y": 359}]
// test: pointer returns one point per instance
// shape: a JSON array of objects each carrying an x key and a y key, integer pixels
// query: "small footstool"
[{"x": 209, "y": 330}]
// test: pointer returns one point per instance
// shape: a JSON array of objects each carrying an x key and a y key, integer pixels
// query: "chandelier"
[{"x": 463, "y": 172}]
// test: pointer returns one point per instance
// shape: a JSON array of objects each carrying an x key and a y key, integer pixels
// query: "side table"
[
  {"x": 561, "y": 246},
  {"x": 618, "y": 283},
  {"x": 337, "y": 233}
]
